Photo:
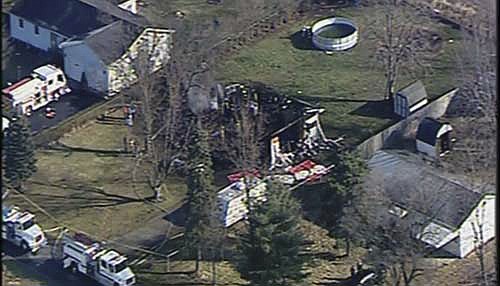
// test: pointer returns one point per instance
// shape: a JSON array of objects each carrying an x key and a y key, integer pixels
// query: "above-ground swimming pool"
[{"x": 334, "y": 34}]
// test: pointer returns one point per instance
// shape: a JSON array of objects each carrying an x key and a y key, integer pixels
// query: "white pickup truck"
[
  {"x": 108, "y": 267},
  {"x": 20, "y": 229}
]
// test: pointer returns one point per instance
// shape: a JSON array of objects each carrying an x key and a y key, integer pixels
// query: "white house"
[
  {"x": 461, "y": 211},
  {"x": 97, "y": 38},
  {"x": 102, "y": 59},
  {"x": 433, "y": 137},
  {"x": 409, "y": 99},
  {"x": 232, "y": 201},
  {"x": 5, "y": 123}
]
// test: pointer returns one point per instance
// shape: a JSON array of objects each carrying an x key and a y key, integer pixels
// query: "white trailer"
[
  {"x": 20, "y": 229},
  {"x": 45, "y": 84},
  {"x": 108, "y": 267}
]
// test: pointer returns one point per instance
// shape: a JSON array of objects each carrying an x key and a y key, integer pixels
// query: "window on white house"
[
  {"x": 37, "y": 30},
  {"x": 51, "y": 82},
  {"x": 21, "y": 23}
]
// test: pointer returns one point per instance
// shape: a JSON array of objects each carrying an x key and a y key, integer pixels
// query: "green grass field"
[
  {"x": 349, "y": 85},
  {"x": 92, "y": 190}
]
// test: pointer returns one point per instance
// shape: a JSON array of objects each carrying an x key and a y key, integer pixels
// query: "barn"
[
  {"x": 462, "y": 209},
  {"x": 433, "y": 137},
  {"x": 409, "y": 99}
]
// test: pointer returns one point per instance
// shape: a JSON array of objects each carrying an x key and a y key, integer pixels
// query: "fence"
[{"x": 406, "y": 127}]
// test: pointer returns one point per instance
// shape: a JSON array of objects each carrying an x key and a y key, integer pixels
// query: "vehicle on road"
[
  {"x": 106, "y": 266},
  {"x": 45, "y": 84},
  {"x": 20, "y": 229}
]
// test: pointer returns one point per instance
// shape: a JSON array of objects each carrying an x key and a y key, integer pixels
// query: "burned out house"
[{"x": 290, "y": 131}]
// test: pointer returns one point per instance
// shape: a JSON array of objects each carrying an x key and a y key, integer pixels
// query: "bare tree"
[
  {"x": 400, "y": 45},
  {"x": 392, "y": 232},
  {"x": 478, "y": 95},
  {"x": 479, "y": 243},
  {"x": 160, "y": 90}
]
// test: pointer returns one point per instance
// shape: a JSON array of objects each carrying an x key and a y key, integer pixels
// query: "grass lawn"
[
  {"x": 347, "y": 84},
  {"x": 320, "y": 269},
  {"x": 93, "y": 191},
  {"x": 157, "y": 10}
]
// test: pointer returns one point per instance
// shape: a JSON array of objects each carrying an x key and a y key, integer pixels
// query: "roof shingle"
[{"x": 454, "y": 200}]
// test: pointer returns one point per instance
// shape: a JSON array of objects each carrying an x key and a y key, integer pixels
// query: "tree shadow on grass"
[
  {"x": 178, "y": 216},
  {"x": 378, "y": 109},
  {"x": 353, "y": 280},
  {"x": 102, "y": 153},
  {"x": 85, "y": 202},
  {"x": 317, "y": 99}
]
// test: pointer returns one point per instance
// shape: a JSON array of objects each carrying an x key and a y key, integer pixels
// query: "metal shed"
[
  {"x": 410, "y": 98},
  {"x": 433, "y": 137}
]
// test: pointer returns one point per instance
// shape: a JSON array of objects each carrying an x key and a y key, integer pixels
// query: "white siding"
[
  {"x": 79, "y": 59},
  {"x": 437, "y": 235},
  {"x": 235, "y": 209},
  {"x": 418, "y": 105},
  {"x": 121, "y": 72},
  {"x": 130, "y": 5},
  {"x": 400, "y": 106},
  {"x": 483, "y": 214},
  {"x": 27, "y": 33},
  {"x": 427, "y": 149}
]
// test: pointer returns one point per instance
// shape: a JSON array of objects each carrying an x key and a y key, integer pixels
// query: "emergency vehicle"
[
  {"x": 90, "y": 258},
  {"x": 44, "y": 85},
  {"x": 20, "y": 229}
]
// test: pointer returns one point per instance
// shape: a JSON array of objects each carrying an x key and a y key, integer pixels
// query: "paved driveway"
[
  {"x": 44, "y": 266},
  {"x": 68, "y": 105}
]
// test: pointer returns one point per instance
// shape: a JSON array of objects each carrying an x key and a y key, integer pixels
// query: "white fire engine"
[
  {"x": 108, "y": 267},
  {"x": 20, "y": 229},
  {"x": 46, "y": 84}
]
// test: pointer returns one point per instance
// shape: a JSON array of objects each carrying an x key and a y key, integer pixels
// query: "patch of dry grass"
[{"x": 93, "y": 191}]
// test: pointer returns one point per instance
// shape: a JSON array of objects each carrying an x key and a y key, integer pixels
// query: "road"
[
  {"x": 152, "y": 234},
  {"x": 68, "y": 105},
  {"x": 42, "y": 265}
]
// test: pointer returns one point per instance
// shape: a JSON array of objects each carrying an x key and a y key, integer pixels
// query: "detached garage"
[{"x": 433, "y": 137}]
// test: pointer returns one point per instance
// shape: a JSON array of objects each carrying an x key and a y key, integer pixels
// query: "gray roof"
[
  {"x": 428, "y": 129},
  {"x": 113, "y": 40},
  {"x": 73, "y": 17},
  {"x": 111, "y": 8},
  {"x": 452, "y": 199},
  {"x": 414, "y": 93}
]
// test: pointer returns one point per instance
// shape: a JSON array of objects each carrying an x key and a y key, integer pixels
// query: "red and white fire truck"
[
  {"x": 21, "y": 229},
  {"x": 83, "y": 255},
  {"x": 45, "y": 84}
]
